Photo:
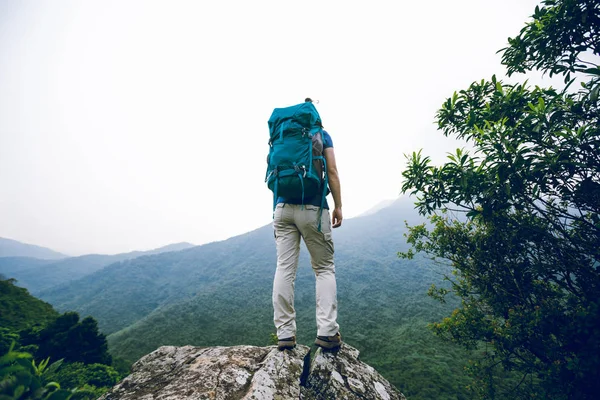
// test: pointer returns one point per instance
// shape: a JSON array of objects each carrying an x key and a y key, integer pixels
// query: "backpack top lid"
[{"x": 299, "y": 117}]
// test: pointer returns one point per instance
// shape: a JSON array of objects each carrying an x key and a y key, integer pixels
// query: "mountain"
[
  {"x": 165, "y": 249},
  {"x": 362, "y": 245},
  {"x": 379, "y": 206},
  {"x": 20, "y": 310},
  {"x": 12, "y": 248},
  {"x": 220, "y": 294},
  {"x": 37, "y": 275}
]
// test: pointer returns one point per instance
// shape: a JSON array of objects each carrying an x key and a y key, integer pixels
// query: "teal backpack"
[{"x": 296, "y": 166}]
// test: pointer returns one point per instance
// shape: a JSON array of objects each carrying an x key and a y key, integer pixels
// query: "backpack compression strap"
[
  {"x": 276, "y": 171},
  {"x": 324, "y": 195}
]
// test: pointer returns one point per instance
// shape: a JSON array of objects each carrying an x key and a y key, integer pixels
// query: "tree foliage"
[
  {"x": 556, "y": 38},
  {"x": 517, "y": 217},
  {"x": 77, "y": 345},
  {"x": 20, "y": 310},
  {"x": 22, "y": 378},
  {"x": 70, "y": 339},
  {"x": 91, "y": 380}
]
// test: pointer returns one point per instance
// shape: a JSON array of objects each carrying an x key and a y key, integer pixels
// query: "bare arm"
[{"x": 334, "y": 185}]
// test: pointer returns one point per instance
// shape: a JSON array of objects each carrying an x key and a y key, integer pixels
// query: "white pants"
[{"x": 292, "y": 222}]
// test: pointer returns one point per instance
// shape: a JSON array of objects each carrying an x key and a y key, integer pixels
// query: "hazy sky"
[{"x": 129, "y": 125}]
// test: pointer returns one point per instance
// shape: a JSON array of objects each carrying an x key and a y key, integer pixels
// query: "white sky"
[{"x": 129, "y": 125}]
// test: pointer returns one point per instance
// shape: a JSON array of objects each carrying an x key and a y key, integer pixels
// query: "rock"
[
  {"x": 340, "y": 375},
  {"x": 249, "y": 372}
]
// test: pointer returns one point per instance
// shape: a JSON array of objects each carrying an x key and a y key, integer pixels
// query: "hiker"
[{"x": 301, "y": 211}]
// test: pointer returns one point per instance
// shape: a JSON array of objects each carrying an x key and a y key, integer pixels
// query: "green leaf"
[
  {"x": 499, "y": 88},
  {"x": 593, "y": 71},
  {"x": 19, "y": 390},
  {"x": 60, "y": 395},
  {"x": 594, "y": 93}
]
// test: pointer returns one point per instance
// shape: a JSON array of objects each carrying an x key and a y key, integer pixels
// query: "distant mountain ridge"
[
  {"x": 13, "y": 248},
  {"x": 164, "y": 249},
  {"x": 171, "y": 278},
  {"x": 37, "y": 275},
  {"x": 377, "y": 207},
  {"x": 219, "y": 294}
]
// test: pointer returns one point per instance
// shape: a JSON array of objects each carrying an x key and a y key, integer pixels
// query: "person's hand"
[{"x": 336, "y": 217}]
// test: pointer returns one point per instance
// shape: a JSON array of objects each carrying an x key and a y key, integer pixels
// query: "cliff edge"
[{"x": 249, "y": 372}]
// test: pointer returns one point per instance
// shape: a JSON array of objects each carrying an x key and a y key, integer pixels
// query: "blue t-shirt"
[{"x": 315, "y": 200}]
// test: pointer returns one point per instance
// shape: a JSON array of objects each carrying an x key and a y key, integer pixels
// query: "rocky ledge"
[{"x": 249, "y": 372}]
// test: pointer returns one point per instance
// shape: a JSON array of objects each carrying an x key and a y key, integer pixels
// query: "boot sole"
[
  {"x": 327, "y": 345},
  {"x": 286, "y": 346}
]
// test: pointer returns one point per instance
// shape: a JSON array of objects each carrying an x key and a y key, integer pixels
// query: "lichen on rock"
[
  {"x": 251, "y": 373},
  {"x": 341, "y": 375}
]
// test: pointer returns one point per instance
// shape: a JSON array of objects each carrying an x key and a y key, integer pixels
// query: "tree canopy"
[
  {"x": 20, "y": 310},
  {"x": 517, "y": 216},
  {"x": 42, "y": 351},
  {"x": 70, "y": 339}
]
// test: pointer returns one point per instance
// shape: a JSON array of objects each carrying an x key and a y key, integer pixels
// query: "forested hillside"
[
  {"x": 20, "y": 310},
  {"x": 43, "y": 353},
  {"x": 37, "y": 275},
  {"x": 220, "y": 294}
]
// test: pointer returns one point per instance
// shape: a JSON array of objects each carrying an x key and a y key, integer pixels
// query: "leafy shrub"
[
  {"x": 76, "y": 375},
  {"x": 22, "y": 378},
  {"x": 7, "y": 337}
]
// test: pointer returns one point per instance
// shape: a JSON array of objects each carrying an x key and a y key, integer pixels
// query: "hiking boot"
[
  {"x": 288, "y": 343},
  {"x": 329, "y": 342}
]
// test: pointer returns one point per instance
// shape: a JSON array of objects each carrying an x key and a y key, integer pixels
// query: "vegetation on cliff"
[{"x": 517, "y": 217}]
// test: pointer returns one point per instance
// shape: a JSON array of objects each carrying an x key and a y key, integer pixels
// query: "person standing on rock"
[{"x": 300, "y": 181}]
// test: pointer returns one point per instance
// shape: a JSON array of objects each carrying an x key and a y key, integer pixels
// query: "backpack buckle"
[
  {"x": 274, "y": 172},
  {"x": 300, "y": 169}
]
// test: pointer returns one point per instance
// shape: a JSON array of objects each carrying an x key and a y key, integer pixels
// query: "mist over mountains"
[
  {"x": 220, "y": 294},
  {"x": 37, "y": 274},
  {"x": 13, "y": 248},
  {"x": 364, "y": 246}
]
